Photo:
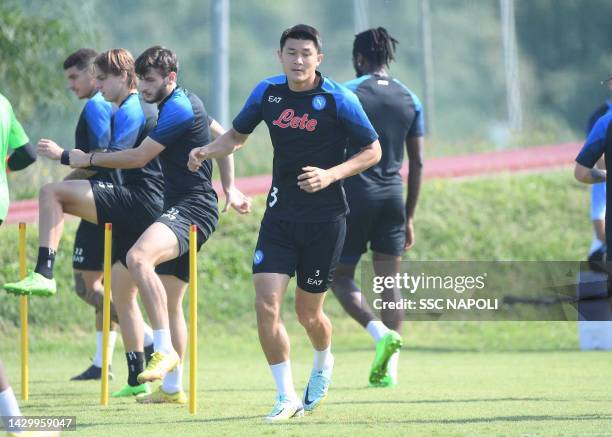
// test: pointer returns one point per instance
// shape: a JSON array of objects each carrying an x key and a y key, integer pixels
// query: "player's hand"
[
  {"x": 196, "y": 156},
  {"x": 409, "y": 234},
  {"x": 79, "y": 159},
  {"x": 49, "y": 148},
  {"x": 237, "y": 200},
  {"x": 314, "y": 179}
]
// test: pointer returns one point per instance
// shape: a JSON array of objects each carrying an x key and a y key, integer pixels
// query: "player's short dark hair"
[
  {"x": 160, "y": 58},
  {"x": 376, "y": 46},
  {"x": 303, "y": 32},
  {"x": 81, "y": 59},
  {"x": 117, "y": 61}
]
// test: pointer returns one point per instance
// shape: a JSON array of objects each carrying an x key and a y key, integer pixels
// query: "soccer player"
[
  {"x": 597, "y": 145},
  {"x": 130, "y": 206},
  {"x": 11, "y": 135},
  {"x": 598, "y": 250},
  {"x": 378, "y": 212},
  {"x": 189, "y": 198},
  {"x": 310, "y": 119},
  {"x": 93, "y": 132}
]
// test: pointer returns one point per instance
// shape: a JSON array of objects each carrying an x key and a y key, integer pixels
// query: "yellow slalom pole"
[
  {"x": 193, "y": 319},
  {"x": 108, "y": 244},
  {"x": 23, "y": 303}
]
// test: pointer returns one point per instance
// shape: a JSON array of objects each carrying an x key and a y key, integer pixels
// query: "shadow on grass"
[
  {"x": 452, "y": 401},
  {"x": 539, "y": 418}
]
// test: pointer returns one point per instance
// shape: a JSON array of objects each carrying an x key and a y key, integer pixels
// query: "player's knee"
[
  {"x": 46, "y": 192},
  {"x": 266, "y": 308},
  {"x": 307, "y": 317},
  {"x": 136, "y": 260}
]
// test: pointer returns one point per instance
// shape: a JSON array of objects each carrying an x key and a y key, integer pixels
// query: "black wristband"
[
  {"x": 65, "y": 158},
  {"x": 90, "y": 158}
]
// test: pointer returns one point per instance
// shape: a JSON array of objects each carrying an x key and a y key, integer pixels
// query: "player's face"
[
  {"x": 80, "y": 82},
  {"x": 300, "y": 60},
  {"x": 153, "y": 86},
  {"x": 111, "y": 86}
]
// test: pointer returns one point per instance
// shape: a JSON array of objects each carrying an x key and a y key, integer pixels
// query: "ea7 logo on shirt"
[
  {"x": 289, "y": 119},
  {"x": 171, "y": 214},
  {"x": 273, "y": 99}
]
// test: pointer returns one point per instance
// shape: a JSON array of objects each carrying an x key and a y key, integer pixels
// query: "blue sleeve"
[
  {"x": 354, "y": 120},
  {"x": 250, "y": 116},
  {"x": 598, "y": 201},
  {"x": 595, "y": 144},
  {"x": 174, "y": 120},
  {"x": 418, "y": 124},
  {"x": 98, "y": 117},
  {"x": 127, "y": 126}
]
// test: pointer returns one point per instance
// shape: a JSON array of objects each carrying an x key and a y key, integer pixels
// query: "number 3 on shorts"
[{"x": 273, "y": 197}]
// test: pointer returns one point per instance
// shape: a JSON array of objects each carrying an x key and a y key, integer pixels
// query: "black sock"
[
  {"x": 44, "y": 264},
  {"x": 135, "y": 361},
  {"x": 148, "y": 353}
]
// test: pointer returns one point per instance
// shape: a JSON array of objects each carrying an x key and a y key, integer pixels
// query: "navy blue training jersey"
[
  {"x": 601, "y": 110},
  {"x": 309, "y": 128},
  {"x": 130, "y": 126},
  {"x": 182, "y": 126},
  {"x": 396, "y": 114},
  {"x": 93, "y": 132},
  {"x": 598, "y": 143}
]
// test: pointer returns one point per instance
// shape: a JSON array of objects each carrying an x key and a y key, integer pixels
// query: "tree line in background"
[{"x": 563, "y": 54}]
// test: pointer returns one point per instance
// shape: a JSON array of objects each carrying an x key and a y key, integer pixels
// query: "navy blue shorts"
[
  {"x": 310, "y": 250},
  {"x": 88, "y": 253},
  {"x": 381, "y": 222},
  {"x": 192, "y": 209},
  {"x": 129, "y": 209}
]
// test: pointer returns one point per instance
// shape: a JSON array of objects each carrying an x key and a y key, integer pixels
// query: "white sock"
[
  {"x": 112, "y": 339},
  {"x": 162, "y": 342},
  {"x": 8, "y": 405},
  {"x": 148, "y": 335},
  {"x": 392, "y": 366},
  {"x": 283, "y": 378},
  {"x": 595, "y": 244},
  {"x": 323, "y": 359},
  {"x": 173, "y": 382},
  {"x": 377, "y": 329}
]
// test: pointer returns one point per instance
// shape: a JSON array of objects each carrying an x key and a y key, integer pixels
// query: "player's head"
[
  {"x": 156, "y": 68},
  {"x": 300, "y": 52},
  {"x": 373, "y": 49},
  {"x": 79, "y": 72},
  {"x": 115, "y": 73}
]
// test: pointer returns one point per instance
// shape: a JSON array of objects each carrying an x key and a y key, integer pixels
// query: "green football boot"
[
  {"x": 34, "y": 284},
  {"x": 385, "y": 347}
]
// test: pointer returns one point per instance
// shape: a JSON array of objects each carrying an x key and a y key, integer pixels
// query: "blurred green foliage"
[{"x": 563, "y": 54}]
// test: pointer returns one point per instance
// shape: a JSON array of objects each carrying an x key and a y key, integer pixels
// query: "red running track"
[{"x": 531, "y": 158}]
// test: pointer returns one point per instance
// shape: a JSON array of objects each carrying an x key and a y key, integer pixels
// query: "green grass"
[
  {"x": 524, "y": 217},
  {"x": 444, "y": 390},
  {"x": 457, "y": 378}
]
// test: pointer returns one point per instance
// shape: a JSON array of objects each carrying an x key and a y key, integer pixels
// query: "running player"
[
  {"x": 99, "y": 201},
  {"x": 11, "y": 135},
  {"x": 189, "y": 198},
  {"x": 310, "y": 119},
  {"x": 378, "y": 212},
  {"x": 93, "y": 132}
]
